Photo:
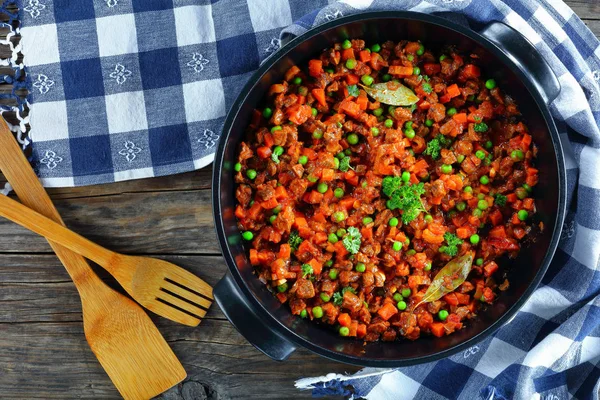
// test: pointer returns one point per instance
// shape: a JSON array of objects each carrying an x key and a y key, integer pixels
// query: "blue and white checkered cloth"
[{"x": 126, "y": 89}]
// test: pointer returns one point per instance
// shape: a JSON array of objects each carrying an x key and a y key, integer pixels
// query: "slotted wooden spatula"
[
  {"x": 128, "y": 345},
  {"x": 158, "y": 285}
]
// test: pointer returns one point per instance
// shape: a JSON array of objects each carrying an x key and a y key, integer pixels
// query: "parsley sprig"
[
  {"x": 500, "y": 200},
  {"x": 294, "y": 240},
  {"x": 307, "y": 269},
  {"x": 353, "y": 90},
  {"x": 345, "y": 164},
  {"x": 404, "y": 197},
  {"x": 352, "y": 240},
  {"x": 435, "y": 146},
  {"x": 452, "y": 242},
  {"x": 338, "y": 297}
]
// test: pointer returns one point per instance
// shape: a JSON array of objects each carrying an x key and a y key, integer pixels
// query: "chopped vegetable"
[{"x": 394, "y": 94}]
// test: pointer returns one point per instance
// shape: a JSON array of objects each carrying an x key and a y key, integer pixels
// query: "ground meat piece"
[
  {"x": 278, "y": 117},
  {"x": 297, "y": 305},
  {"x": 243, "y": 194},
  {"x": 437, "y": 112},
  {"x": 506, "y": 165},
  {"x": 265, "y": 192},
  {"x": 298, "y": 187},
  {"x": 438, "y": 189},
  {"x": 448, "y": 157},
  {"x": 347, "y": 277},
  {"x": 402, "y": 114},
  {"x": 280, "y": 137},
  {"x": 351, "y": 302},
  {"x": 389, "y": 335},
  {"x": 434, "y": 306},
  {"x": 424, "y": 319},
  {"x": 284, "y": 220},
  {"x": 463, "y": 147},
  {"x": 378, "y": 325},
  {"x": 245, "y": 152},
  {"x": 330, "y": 311},
  {"x": 368, "y": 279},
  {"x": 407, "y": 323},
  {"x": 303, "y": 288},
  {"x": 364, "y": 316}
]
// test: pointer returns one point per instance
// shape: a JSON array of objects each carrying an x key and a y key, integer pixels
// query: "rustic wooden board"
[{"x": 43, "y": 354}]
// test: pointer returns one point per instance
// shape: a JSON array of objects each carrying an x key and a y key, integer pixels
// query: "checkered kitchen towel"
[{"x": 133, "y": 88}]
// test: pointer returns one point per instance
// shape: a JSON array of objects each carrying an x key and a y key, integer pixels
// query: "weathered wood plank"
[
  {"x": 141, "y": 223},
  {"x": 43, "y": 353}
]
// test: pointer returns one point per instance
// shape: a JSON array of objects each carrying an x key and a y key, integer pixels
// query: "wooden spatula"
[
  {"x": 158, "y": 285},
  {"x": 128, "y": 345}
]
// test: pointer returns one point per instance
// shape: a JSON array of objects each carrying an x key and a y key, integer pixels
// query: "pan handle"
[
  {"x": 248, "y": 322},
  {"x": 526, "y": 56}
]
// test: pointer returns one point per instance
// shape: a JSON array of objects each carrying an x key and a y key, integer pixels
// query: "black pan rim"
[{"x": 218, "y": 167}]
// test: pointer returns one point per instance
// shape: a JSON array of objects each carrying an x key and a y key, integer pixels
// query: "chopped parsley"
[
  {"x": 427, "y": 88},
  {"x": 452, "y": 242},
  {"x": 500, "y": 200},
  {"x": 413, "y": 107},
  {"x": 275, "y": 158},
  {"x": 477, "y": 118},
  {"x": 338, "y": 297},
  {"x": 345, "y": 164},
  {"x": 352, "y": 240},
  {"x": 294, "y": 240},
  {"x": 480, "y": 127},
  {"x": 307, "y": 269},
  {"x": 434, "y": 146},
  {"x": 404, "y": 197},
  {"x": 353, "y": 90}
]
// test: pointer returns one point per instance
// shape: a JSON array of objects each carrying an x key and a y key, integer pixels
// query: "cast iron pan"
[{"x": 517, "y": 67}]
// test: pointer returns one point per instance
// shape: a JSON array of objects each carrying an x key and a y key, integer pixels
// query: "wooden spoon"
[
  {"x": 157, "y": 285},
  {"x": 128, "y": 345}
]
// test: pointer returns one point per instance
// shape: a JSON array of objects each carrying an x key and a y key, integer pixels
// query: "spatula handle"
[{"x": 35, "y": 222}]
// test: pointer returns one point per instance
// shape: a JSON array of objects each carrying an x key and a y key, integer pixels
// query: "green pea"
[
  {"x": 302, "y": 90},
  {"x": 317, "y": 134},
  {"x": 376, "y": 48},
  {"x": 490, "y": 84},
  {"x": 386, "y": 77},
  {"x": 276, "y": 210},
  {"x": 468, "y": 189},
  {"x": 429, "y": 122},
  {"x": 333, "y": 273},
  {"x": 276, "y": 128},
  {"x": 278, "y": 150},
  {"x": 237, "y": 167},
  {"x": 378, "y": 112},
  {"x": 393, "y": 222},
  {"x": 443, "y": 57},
  {"x": 443, "y": 249},
  {"x": 409, "y": 133},
  {"x": 521, "y": 193},
  {"x": 522, "y": 215},
  {"x": 325, "y": 297},
  {"x": 303, "y": 313},
  {"x": 297, "y": 80},
  {"x": 375, "y": 131},
  {"x": 416, "y": 71},
  {"x": 302, "y": 160},
  {"x": 484, "y": 180},
  {"x": 352, "y": 138},
  {"x": 361, "y": 267},
  {"x": 329, "y": 70},
  {"x": 428, "y": 218},
  {"x": 451, "y": 111},
  {"x": 267, "y": 112},
  {"x": 344, "y": 331},
  {"x": 338, "y": 216},
  {"x": 272, "y": 218},
  {"x": 317, "y": 312},
  {"x": 397, "y": 246},
  {"x": 411, "y": 252},
  {"x": 332, "y": 238},
  {"x": 421, "y": 50},
  {"x": 461, "y": 206},
  {"x": 388, "y": 123},
  {"x": 406, "y": 292},
  {"x": 446, "y": 169},
  {"x": 406, "y": 176},
  {"x": 336, "y": 163},
  {"x": 410, "y": 57},
  {"x": 428, "y": 266},
  {"x": 338, "y": 193},
  {"x": 480, "y": 154},
  {"x": 351, "y": 63},
  {"x": 312, "y": 179},
  {"x": 328, "y": 263},
  {"x": 477, "y": 213},
  {"x": 397, "y": 297},
  {"x": 367, "y": 220},
  {"x": 251, "y": 174},
  {"x": 314, "y": 112},
  {"x": 340, "y": 232},
  {"x": 488, "y": 144},
  {"x": 348, "y": 152},
  {"x": 248, "y": 235},
  {"x": 474, "y": 239},
  {"x": 482, "y": 205},
  {"x": 442, "y": 315},
  {"x": 367, "y": 80},
  {"x": 322, "y": 187},
  {"x": 282, "y": 288},
  {"x": 346, "y": 44},
  {"x": 460, "y": 158},
  {"x": 527, "y": 187},
  {"x": 479, "y": 261},
  {"x": 401, "y": 305},
  {"x": 517, "y": 155}
]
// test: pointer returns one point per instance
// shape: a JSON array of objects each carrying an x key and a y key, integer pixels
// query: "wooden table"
[{"x": 43, "y": 353}]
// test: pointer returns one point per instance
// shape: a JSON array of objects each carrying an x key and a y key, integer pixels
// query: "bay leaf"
[{"x": 391, "y": 93}]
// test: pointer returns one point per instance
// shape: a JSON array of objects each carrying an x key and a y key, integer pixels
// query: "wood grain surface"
[{"x": 43, "y": 353}]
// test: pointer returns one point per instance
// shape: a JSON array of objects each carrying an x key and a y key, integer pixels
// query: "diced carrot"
[
  {"x": 264, "y": 152},
  {"x": 424, "y": 105},
  {"x": 453, "y": 90},
  {"x": 462, "y": 233},
  {"x": 340, "y": 249},
  {"x": 445, "y": 98},
  {"x": 387, "y": 311},
  {"x": 462, "y": 298},
  {"x": 526, "y": 142},
  {"x": 400, "y": 70},
  {"x": 292, "y": 72},
  {"x": 437, "y": 329},
  {"x": 497, "y": 231},
  {"x": 470, "y": 71},
  {"x": 519, "y": 232},
  {"x": 431, "y": 68},
  {"x": 315, "y": 68},
  {"x": 496, "y": 217},
  {"x": 347, "y": 202},
  {"x": 240, "y": 212},
  {"x": 419, "y": 166},
  {"x": 319, "y": 95},
  {"x": 301, "y": 99},
  {"x": 350, "y": 108},
  {"x": 460, "y": 118},
  {"x": 254, "y": 257},
  {"x": 305, "y": 232},
  {"x": 367, "y": 233},
  {"x": 319, "y": 217},
  {"x": 353, "y": 328},
  {"x": 327, "y": 175},
  {"x": 344, "y": 319},
  {"x": 348, "y": 53},
  {"x": 310, "y": 153},
  {"x": 254, "y": 211},
  {"x": 314, "y": 197},
  {"x": 282, "y": 297},
  {"x": 300, "y": 221},
  {"x": 351, "y": 79},
  {"x": 285, "y": 250},
  {"x": 361, "y": 330},
  {"x": 490, "y": 268},
  {"x": 364, "y": 56},
  {"x": 270, "y": 204},
  {"x": 299, "y": 113},
  {"x": 362, "y": 102},
  {"x": 269, "y": 141},
  {"x": 353, "y": 180},
  {"x": 281, "y": 192},
  {"x": 511, "y": 198},
  {"x": 515, "y": 219},
  {"x": 451, "y": 299},
  {"x": 528, "y": 204},
  {"x": 376, "y": 61},
  {"x": 320, "y": 237},
  {"x": 277, "y": 88}
]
